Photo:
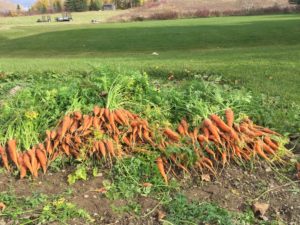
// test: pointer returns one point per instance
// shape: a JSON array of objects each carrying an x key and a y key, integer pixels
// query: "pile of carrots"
[{"x": 109, "y": 134}]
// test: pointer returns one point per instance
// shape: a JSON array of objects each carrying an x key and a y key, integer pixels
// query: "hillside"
[{"x": 190, "y": 6}]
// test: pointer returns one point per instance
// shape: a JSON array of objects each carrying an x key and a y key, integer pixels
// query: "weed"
[{"x": 40, "y": 208}]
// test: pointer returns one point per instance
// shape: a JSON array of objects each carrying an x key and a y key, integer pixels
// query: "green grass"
[{"x": 260, "y": 52}]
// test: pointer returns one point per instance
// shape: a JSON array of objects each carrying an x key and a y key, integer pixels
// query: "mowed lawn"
[{"x": 261, "y": 53}]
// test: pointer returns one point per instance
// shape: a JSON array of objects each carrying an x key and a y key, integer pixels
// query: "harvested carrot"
[
  {"x": 96, "y": 110},
  {"x": 42, "y": 159},
  {"x": 110, "y": 147},
  {"x": 22, "y": 168},
  {"x": 180, "y": 129},
  {"x": 4, "y": 157},
  {"x": 160, "y": 166},
  {"x": 102, "y": 148},
  {"x": 229, "y": 117},
  {"x": 12, "y": 151},
  {"x": 34, "y": 161},
  {"x": 27, "y": 163},
  {"x": 220, "y": 123},
  {"x": 212, "y": 128},
  {"x": 269, "y": 142},
  {"x": 66, "y": 124},
  {"x": 172, "y": 134},
  {"x": 259, "y": 151}
]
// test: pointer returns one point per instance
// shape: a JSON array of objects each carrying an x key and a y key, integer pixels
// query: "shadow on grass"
[{"x": 103, "y": 40}]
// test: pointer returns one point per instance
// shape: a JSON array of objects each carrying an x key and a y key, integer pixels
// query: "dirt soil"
[{"x": 235, "y": 189}]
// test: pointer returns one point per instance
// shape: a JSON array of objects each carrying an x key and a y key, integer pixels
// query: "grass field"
[{"x": 261, "y": 51}]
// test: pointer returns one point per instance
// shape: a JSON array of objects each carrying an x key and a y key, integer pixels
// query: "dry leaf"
[
  {"x": 101, "y": 190},
  {"x": 161, "y": 214},
  {"x": 260, "y": 208},
  {"x": 205, "y": 177},
  {"x": 2, "y": 206},
  {"x": 147, "y": 184}
]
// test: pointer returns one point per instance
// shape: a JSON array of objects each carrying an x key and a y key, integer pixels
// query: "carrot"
[
  {"x": 102, "y": 148},
  {"x": 122, "y": 116},
  {"x": 205, "y": 132},
  {"x": 34, "y": 161},
  {"x": 66, "y": 148},
  {"x": 180, "y": 129},
  {"x": 224, "y": 158},
  {"x": 229, "y": 117},
  {"x": 269, "y": 142},
  {"x": 110, "y": 147},
  {"x": 147, "y": 137},
  {"x": 53, "y": 134},
  {"x": 106, "y": 113},
  {"x": 74, "y": 126},
  {"x": 66, "y": 124},
  {"x": 268, "y": 149},
  {"x": 211, "y": 152},
  {"x": 22, "y": 168},
  {"x": 195, "y": 132},
  {"x": 111, "y": 120},
  {"x": 171, "y": 135},
  {"x": 77, "y": 115},
  {"x": 259, "y": 151},
  {"x": 42, "y": 159},
  {"x": 220, "y": 123},
  {"x": 96, "y": 110},
  {"x": 12, "y": 151},
  {"x": 27, "y": 163},
  {"x": 4, "y": 157},
  {"x": 126, "y": 141},
  {"x": 160, "y": 166},
  {"x": 185, "y": 126},
  {"x": 213, "y": 129}
]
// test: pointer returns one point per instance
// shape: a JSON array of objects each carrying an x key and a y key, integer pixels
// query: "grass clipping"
[{"x": 110, "y": 134}]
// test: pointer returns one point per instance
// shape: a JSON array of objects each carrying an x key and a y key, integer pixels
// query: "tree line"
[{"x": 49, "y": 6}]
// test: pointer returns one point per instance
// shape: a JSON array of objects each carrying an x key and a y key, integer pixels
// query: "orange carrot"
[
  {"x": 42, "y": 159},
  {"x": 106, "y": 113},
  {"x": 205, "y": 132},
  {"x": 23, "y": 169},
  {"x": 224, "y": 158},
  {"x": 110, "y": 147},
  {"x": 126, "y": 141},
  {"x": 4, "y": 157},
  {"x": 96, "y": 110},
  {"x": 77, "y": 115},
  {"x": 229, "y": 117},
  {"x": 172, "y": 134},
  {"x": 27, "y": 163},
  {"x": 160, "y": 165},
  {"x": 259, "y": 151},
  {"x": 220, "y": 123},
  {"x": 212, "y": 128},
  {"x": 181, "y": 129},
  {"x": 102, "y": 148},
  {"x": 53, "y": 134},
  {"x": 269, "y": 142},
  {"x": 122, "y": 116},
  {"x": 12, "y": 151},
  {"x": 185, "y": 126},
  {"x": 66, "y": 124}
]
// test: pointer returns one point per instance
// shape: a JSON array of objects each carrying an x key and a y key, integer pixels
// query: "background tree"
[
  {"x": 95, "y": 5},
  {"x": 294, "y": 2}
]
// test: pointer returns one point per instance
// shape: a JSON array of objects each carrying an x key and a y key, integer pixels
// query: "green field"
[{"x": 261, "y": 52}]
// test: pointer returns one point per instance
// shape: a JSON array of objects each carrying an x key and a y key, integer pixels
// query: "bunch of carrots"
[{"x": 109, "y": 134}]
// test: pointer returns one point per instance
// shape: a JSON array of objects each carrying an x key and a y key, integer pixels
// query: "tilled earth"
[{"x": 234, "y": 189}]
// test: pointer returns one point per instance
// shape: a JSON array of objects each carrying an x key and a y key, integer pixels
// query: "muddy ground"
[{"x": 234, "y": 189}]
